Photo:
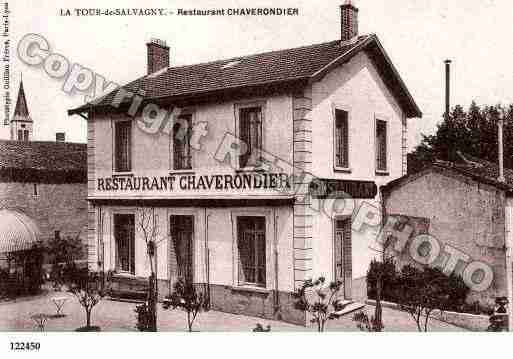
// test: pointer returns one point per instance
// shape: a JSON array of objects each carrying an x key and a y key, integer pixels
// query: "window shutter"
[
  {"x": 348, "y": 259},
  {"x": 245, "y": 136},
  {"x": 131, "y": 230}
]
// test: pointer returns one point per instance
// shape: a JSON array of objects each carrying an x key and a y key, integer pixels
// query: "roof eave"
[
  {"x": 440, "y": 169},
  {"x": 202, "y": 96}
]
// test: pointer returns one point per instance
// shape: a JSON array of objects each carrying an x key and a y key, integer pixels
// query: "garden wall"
[{"x": 471, "y": 322}]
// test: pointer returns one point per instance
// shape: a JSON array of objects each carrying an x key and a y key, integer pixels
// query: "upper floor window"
[
  {"x": 341, "y": 139},
  {"x": 381, "y": 145},
  {"x": 122, "y": 146},
  {"x": 250, "y": 132},
  {"x": 182, "y": 130},
  {"x": 23, "y": 135}
]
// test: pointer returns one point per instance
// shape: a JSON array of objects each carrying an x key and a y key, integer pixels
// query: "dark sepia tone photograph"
[{"x": 255, "y": 166}]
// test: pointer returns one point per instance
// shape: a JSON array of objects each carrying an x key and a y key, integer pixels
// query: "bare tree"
[{"x": 149, "y": 229}]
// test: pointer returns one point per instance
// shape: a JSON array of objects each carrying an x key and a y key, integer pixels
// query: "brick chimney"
[
  {"x": 348, "y": 22},
  {"x": 158, "y": 55}
]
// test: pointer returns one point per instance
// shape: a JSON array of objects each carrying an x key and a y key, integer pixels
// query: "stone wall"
[
  {"x": 54, "y": 207},
  {"x": 461, "y": 213}
]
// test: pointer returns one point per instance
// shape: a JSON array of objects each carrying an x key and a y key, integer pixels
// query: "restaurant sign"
[
  {"x": 191, "y": 182},
  {"x": 332, "y": 188}
]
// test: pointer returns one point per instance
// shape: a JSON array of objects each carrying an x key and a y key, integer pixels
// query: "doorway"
[{"x": 343, "y": 254}]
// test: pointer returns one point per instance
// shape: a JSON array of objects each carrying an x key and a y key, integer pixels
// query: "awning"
[{"x": 18, "y": 232}]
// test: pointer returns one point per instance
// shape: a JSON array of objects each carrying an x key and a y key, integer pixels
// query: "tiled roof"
[
  {"x": 40, "y": 159},
  {"x": 478, "y": 169},
  {"x": 302, "y": 63}
]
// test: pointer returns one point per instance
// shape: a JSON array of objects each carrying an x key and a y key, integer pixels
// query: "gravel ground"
[{"x": 120, "y": 316}]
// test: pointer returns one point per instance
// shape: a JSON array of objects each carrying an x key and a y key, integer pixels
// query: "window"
[
  {"x": 25, "y": 135},
  {"x": 20, "y": 135},
  {"x": 250, "y": 132},
  {"x": 182, "y": 229},
  {"x": 124, "y": 235},
  {"x": 381, "y": 145},
  {"x": 341, "y": 139},
  {"x": 35, "y": 191},
  {"x": 251, "y": 250},
  {"x": 122, "y": 146},
  {"x": 182, "y": 130}
]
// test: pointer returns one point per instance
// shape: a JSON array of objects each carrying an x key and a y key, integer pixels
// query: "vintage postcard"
[{"x": 255, "y": 166}]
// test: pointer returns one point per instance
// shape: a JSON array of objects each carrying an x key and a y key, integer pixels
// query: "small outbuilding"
[{"x": 467, "y": 215}]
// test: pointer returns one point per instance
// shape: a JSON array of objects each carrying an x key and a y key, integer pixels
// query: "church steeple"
[{"x": 21, "y": 123}]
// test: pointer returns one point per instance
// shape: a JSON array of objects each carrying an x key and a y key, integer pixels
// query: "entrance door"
[
  {"x": 182, "y": 230},
  {"x": 343, "y": 254}
]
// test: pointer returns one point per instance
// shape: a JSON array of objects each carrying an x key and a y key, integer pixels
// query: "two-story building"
[{"x": 237, "y": 162}]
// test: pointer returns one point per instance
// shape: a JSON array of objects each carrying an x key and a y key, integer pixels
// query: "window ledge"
[
  {"x": 250, "y": 170},
  {"x": 123, "y": 174},
  {"x": 182, "y": 172},
  {"x": 343, "y": 169},
  {"x": 382, "y": 173},
  {"x": 250, "y": 288},
  {"x": 124, "y": 275}
]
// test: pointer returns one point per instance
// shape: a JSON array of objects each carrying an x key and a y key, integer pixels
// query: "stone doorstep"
[{"x": 349, "y": 307}]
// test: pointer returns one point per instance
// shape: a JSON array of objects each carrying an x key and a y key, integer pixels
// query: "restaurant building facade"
[{"x": 240, "y": 175}]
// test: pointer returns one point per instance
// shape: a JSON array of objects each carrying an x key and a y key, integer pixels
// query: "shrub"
[
  {"x": 63, "y": 254},
  {"x": 4, "y": 281},
  {"x": 319, "y": 299},
  {"x": 260, "y": 328},
  {"x": 144, "y": 318},
  {"x": 186, "y": 297},
  {"x": 366, "y": 324},
  {"x": 389, "y": 275},
  {"x": 476, "y": 308},
  {"x": 420, "y": 292}
]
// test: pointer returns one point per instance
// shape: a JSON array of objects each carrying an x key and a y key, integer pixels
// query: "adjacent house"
[
  {"x": 227, "y": 183},
  {"x": 468, "y": 212},
  {"x": 43, "y": 187}
]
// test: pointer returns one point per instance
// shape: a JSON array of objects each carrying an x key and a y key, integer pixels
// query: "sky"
[{"x": 418, "y": 35}]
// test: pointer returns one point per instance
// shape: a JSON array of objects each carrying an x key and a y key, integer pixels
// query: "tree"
[
  {"x": 64, "y": 252},
  {"x": 420, "y": 292},
  {"x": 381, "y": 275},
  {"x": 473, "y": 132},
  {"x": 149, "y": 229},
  {"x": 186, "y": 297},
  {"x": 88, "y": 289},
  {"x": 319, "y": 299}
]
